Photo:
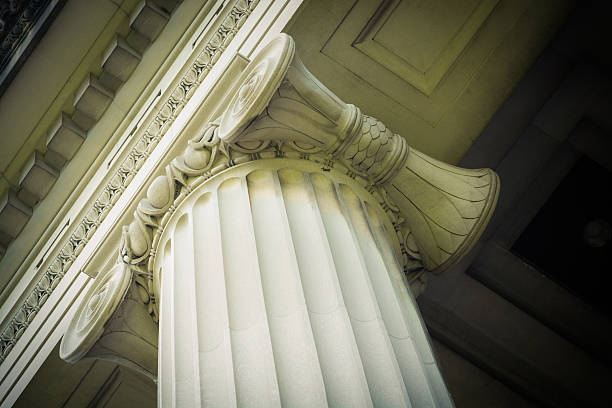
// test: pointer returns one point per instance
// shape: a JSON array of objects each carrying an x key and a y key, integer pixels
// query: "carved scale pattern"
[
  {"x": 371, "y": 147},
  {"x": 201, "y": 66}
]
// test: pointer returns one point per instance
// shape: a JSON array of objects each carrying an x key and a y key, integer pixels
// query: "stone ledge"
[{"x": 92, "y": 98}]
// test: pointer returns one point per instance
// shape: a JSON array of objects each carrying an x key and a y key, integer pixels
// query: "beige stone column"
[
  {"x": 279, "y": 287},
  {"x": 272, "y": 255}
]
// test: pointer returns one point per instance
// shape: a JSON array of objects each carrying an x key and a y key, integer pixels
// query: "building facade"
[{"x": 123, "y": 88}]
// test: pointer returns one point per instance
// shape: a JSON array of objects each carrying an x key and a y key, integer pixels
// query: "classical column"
[
  {"x": 272, "y": 255},
  {"x": 279, "y": 287}
]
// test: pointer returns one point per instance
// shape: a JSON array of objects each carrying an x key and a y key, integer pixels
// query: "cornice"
[{"x": 133, "y": 161}]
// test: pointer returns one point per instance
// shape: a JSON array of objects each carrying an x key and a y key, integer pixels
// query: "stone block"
[
  {"x": 120, "y": 59},
  {"x": 110, "y": 82},
  {"x": 148, "y": 20},
  {"x": 600, "y": 111},
  {"x": 83, "y": 121},
  {"x": 538, "y": 192},
  {"x": 92, "y": 98},
  {"x": 65, "y": 137},
  {"x": 511, "y": 344},
  {"x": 137, "y": 41},
  {"x": 523, "y": 285},
  {"x": 14, "y": 214},
  {"x": 37, "y": 178}
]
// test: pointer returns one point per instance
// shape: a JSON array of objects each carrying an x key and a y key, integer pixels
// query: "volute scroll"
[{"x": 113, "y": 324}]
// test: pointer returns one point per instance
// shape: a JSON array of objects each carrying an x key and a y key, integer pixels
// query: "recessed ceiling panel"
[
  {"x": 421, "y": 54},
  {"x": 394, "y": 37}
]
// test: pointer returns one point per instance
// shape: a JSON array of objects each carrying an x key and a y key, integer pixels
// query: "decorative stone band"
[
  {"x": 376, "y": 151},
  {"x": 279, "y": 109}
]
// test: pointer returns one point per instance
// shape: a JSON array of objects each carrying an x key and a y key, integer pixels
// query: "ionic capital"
[
  {"x": 440, "y": 210},
  {"x": 279, "y": 109}
]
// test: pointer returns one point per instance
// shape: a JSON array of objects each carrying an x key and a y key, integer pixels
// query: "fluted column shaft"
[{"x": 279, "y": 286}]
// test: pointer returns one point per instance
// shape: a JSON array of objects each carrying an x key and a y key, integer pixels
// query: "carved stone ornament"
[{"x": 278, "y": 109}]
